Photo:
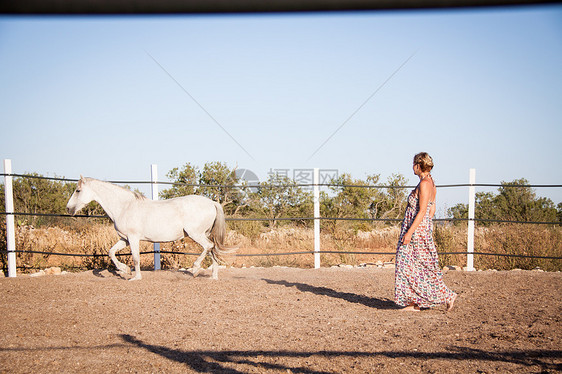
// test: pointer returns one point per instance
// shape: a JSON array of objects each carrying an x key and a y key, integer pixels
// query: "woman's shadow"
[{"x": 371, "y": 302}]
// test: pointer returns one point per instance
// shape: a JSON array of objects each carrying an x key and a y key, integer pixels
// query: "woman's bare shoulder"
[{"x": 426, "y": 183}]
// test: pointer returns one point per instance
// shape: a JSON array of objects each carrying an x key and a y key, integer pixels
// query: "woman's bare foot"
[
  {"x": 452, "y": 303},
  {"x": 411, "y": 308}
]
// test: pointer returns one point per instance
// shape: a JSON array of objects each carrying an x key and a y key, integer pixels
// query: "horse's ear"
[{"x": 81, "y": 181}]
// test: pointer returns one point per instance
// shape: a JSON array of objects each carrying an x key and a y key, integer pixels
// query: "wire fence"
[
  {"x": 243, "y": 186},
  {"x": 277, "y": 254},
  {"x": 250, "y": 219}
]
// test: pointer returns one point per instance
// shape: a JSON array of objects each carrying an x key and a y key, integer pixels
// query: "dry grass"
[
  {"x": 529, "y": 240},
  {"x": 83, "y": 237},
  {"x": 297, "y": 239},
  {"x": 503, "y": 239}
]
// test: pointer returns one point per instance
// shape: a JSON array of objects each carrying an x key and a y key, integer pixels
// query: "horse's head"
[{"x": 81, "y": 196}]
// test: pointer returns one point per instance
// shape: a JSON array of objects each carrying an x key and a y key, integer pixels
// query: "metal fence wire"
[{"x": 249, "y": 219}]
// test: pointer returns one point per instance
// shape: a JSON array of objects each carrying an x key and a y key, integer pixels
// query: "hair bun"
[{"x": 424, "y": 160}]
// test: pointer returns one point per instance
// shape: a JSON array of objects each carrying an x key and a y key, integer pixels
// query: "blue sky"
[{"x": 107, "y": 97}]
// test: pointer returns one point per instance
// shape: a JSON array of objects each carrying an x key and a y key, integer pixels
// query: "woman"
[{"x": 418, "y": 279}]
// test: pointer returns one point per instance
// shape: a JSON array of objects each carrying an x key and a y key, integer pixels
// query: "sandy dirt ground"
[{"x": 278, "y": 320}]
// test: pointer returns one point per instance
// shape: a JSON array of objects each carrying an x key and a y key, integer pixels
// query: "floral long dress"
[{"x": 418, "y": 278}]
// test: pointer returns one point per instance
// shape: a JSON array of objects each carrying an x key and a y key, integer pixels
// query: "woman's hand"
[{"x": 407, "y": 238}]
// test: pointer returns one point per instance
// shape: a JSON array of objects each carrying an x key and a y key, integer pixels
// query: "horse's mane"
[{"x": 137, "y": 195}]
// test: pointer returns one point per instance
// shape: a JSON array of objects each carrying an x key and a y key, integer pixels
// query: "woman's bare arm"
[{"x": 425, "y": 190}]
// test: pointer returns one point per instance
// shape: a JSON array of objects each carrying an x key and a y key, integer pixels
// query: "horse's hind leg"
[
  {"x": 197, "y": 264},
  {"x": 122, "y": 243},
  {"x": 207, "y": 245},
  {"x": 135, "y": 252},
  {"x": 215, "y": 269}
]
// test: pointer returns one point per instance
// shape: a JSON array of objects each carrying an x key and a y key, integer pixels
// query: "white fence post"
[
  {"x": 316, "y": 218},
  {"x": 471, "y": 208},
  {"x": 154, "y": 184},
  {"x": 10, "y": 230}
]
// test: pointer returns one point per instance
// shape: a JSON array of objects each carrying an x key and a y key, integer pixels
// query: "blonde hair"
[{"x": 424, "y": 160}]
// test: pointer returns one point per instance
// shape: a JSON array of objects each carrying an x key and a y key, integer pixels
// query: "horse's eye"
[{"x": 78, "y": 190}]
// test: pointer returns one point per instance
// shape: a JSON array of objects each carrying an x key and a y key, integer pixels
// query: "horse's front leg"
[
  {"x": 134, "y": 244},
  {"x": 122, "y": 243}
]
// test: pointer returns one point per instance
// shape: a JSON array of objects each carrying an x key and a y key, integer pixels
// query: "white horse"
[{"x": 136, "y": 218}]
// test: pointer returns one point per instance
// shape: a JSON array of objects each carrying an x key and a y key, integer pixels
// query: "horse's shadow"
[
  {"x": 107, "y": 272},
  {"x": 217, "y": 361},
  {"x": 206, "y": 361},
  {"x": 111, "y": 272},
  {"x": 371, "y": 302}
]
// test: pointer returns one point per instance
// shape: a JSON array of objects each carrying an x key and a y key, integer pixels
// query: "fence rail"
[
  {"x": 245, "y": 186},
  {"x": 10, "y": 214},
  {"x": 556, "y": 223},
  {"x": 281, "y": 254}
]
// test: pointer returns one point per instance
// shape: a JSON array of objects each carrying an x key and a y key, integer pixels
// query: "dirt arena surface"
[{"x": 278, "y": 320}]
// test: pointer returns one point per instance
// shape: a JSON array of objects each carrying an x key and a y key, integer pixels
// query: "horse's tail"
[{"x": 218, "y": 234}]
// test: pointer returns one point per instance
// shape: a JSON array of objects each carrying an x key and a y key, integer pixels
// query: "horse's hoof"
[
  {"x": 135, "y": 278},
  {"x": 124, "y": 270},
  {"x": 195, "y": 272}
]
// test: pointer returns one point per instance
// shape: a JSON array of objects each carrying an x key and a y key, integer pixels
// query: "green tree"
[
  {"x": 391, "y": 204},
  {"x": 522, "y": 204},
  {"x": 185, "y": 180},
  {"x": 36, "y": 195},
  {"x": 280, "y": 197},
  {"x": 354, "y": 199},
  {"x": 216, "y": 181},
  {"x": 515, "y": 201}
]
